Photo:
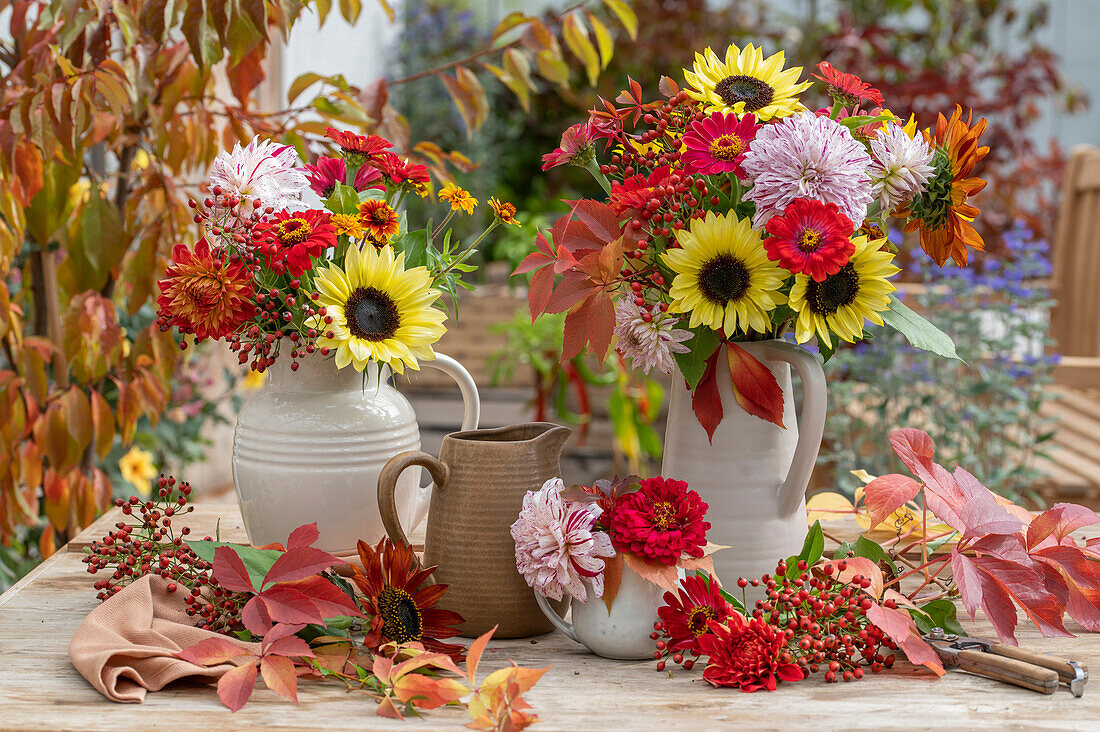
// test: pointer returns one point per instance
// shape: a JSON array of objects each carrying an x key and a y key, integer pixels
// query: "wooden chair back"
[{"x": 1075, "y": 320}]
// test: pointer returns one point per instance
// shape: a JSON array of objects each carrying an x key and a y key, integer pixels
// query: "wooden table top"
[{"x": 39, "y": 689}]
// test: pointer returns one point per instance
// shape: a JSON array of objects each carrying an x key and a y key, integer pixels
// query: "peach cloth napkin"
[{"x": 126, "y": 646}]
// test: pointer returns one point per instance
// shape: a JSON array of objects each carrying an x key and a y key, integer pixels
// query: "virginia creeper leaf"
[
  {"x": 706, "y": 402},
  {"x": 885, "y": 494},
  {"x": 279, "y": 675},
  {"x": 296, "y": 564},
  {"x": 754, "y": 386},
  {"x": 897, "y": 624},
  {"x": 212, "y": 651},
  {"x": 235, "y": 686},
  {"x": 230, "y": 571},
  {"x": 303, "y": 536}
]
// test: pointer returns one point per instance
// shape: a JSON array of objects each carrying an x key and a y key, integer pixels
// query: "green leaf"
[
  {"x": 256, "y": 561},
  {"x": 844, "y": 551},
  {"x": 937, "y": 614},
  {"x": 813, "y": 547},
  {"x": 869, "y": 549},
  {"x": 693, "y": 363},
  {"x": 917, "y": 330},
  {"x": 343, "y": 200}
]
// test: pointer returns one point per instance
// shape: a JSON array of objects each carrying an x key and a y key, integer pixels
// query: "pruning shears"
[{"x": 1036, "y": 671}]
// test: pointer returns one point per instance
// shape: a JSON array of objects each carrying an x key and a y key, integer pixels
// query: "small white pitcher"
[{"x": 623, "y": 633}]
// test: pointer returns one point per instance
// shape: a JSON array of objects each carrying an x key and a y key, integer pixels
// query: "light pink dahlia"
[
  {"x": 262, "y": 170},
  {"x": 900, "y": 168},
  {"x": 556, "y": 545},
  {"x": 807, "y": 156},
  {"x": 648, "y": 344}
]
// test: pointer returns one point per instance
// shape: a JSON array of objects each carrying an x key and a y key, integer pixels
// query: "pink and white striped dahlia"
[
  {"x": 649, "y": 343},
  {"x": 900, "y": 167},
  {"x": 556, "y": 545},
  {"x": 807, "y": 156},
  {"x": 262, "y": 170}
]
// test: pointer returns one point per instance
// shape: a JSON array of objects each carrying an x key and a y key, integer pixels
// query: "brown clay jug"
[{"x": 480, "y": 479}]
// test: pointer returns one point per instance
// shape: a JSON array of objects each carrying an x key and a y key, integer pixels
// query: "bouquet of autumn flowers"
[
  {"x": 735, "y": 213},
  {"x": 569, "y": 539},
  {"x": 349, "y": 279}
]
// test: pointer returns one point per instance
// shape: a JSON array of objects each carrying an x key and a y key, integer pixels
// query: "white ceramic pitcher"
[
  {"x": 309, "y": 446},
  {"x": 753, "y": 475}
]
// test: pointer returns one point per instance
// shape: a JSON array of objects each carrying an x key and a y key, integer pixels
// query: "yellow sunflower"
[
  {"x": 746, "y": 82},
  {"x": 842, "y": 301},
  {"x": 380, "y": 310},
  {"x": 724, "y": 278}
]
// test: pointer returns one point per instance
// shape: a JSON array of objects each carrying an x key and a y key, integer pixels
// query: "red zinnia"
[
  {"x": 367, "y": 146},
  {"x": 575, "y": 148},
  {"x": 327, "y": 172},
  {"x": 295, "y": 238},
  {"x": 635, "y": 192},
  {"x": 401, "y": 171},
  {"x": 810, "y": 237},
  {"x": 746, "y": 654},
  {"x": 204, "y": 292},
  {"x": 660, "y": 522},
  {"x": 847, "y": 88},
  {"x": 718, "y": 143},
  {"x": 400, "y": 608},
  {"x": 686, "y": 617}
]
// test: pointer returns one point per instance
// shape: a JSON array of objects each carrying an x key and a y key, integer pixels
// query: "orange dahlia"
[
  {"x": 204, "y": 292},
  {"x": 401, "y": 607},
  {"x": 942, "y": 212},
  {"x": 379, "y": 220}
]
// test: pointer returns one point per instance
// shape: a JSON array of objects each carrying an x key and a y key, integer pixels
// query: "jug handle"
[
  {"x": 387, "y": 487},
  {"x": 553, "y": 617},
  {"x": 471, "y": 417},
  {"x": 811, "y": 422}
]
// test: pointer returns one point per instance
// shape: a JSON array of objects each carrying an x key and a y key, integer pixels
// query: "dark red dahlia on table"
[{"x": 747, "y": 654}]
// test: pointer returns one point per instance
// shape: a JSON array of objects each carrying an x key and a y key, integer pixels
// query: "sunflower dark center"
[
  {"x": 836, "y": 291},
  {"x": 664, "y": 516},
  {"x": 809, "y": 240},
  {"x": 755, "y": 93},
  {"x": 401, "y": 620},
  {"x": 727, "y": 147},
  {"x": 697, "y": 619},
  {"x": 294, "y": 231},
  {"x": 371, "y": 314},
  {"x": 723, "y": 278}
]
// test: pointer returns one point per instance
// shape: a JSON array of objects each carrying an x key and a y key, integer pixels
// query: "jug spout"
[{"x": 554, "y": 437}]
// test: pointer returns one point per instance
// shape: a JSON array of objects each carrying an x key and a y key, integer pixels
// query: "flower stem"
[
  {"x": 594, "y": 168},
  {"x": 470, "y": 249}
]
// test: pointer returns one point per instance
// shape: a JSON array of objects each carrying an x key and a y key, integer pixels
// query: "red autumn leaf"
[
  {"x": 212, "y": 651},
  {"x": 303, "y": 536},
  {"x": 887, "y": 493},
  {"x": 279, "y": 675},
  {"x": 291, "y": 646},
  {"x": 1081, "y": 578},
  {"x": 860, "y": 567},
  {"x": 571, "y": 291},
  {"x": 255, "y": 617},
  {"x": 539, "y": 290},
  {"x": 1061, "y": 519},
  {"x": 706, "y": 402},
  {"x": 473, "y": 653},
  {"x": 298, "y": 564},
  {"x": 662, "y": 575},
  {"x": 288, "y": 605},
  {"x": 599, "y": 219},
  {"x": 994, "y": 584},
  {"x": 612, "y": 578},
  {"x": 898, "y": 624},
  {"x": 428, "y": 692},
  {"x": 330, "y": 600},
  {"x": 754, "y": 386},
  {"x": 230, "y": 571},
  {"x": 235, "y": 686}
]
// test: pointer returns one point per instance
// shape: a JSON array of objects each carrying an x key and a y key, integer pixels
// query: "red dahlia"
[
  {"x": 635, "y": 192},
  {"x": 810, "y": 237},
  {"x": 847, "y": 88},
  {"x": 686, "y": 617},
  {"x": 362, "y": 147},
  {"x": 660, "y": 522},
  {"x": 746, "y": 654},
  {"x": 401, "y": 607},
  {"x": 204, "y": 292},
  {"x": 295, "y": 238}
]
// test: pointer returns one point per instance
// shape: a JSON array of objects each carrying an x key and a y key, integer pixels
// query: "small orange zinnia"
[
  {"x": 205, "y": 293},
  {"x": 379, "y": 220},
  {"x": 504, "y": 211},
  {"x": 942, "y": 212},
  {"x": 459, "y": 198}
]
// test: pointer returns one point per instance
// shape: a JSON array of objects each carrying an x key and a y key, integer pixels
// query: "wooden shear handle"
[
  {"x": 1065, "y": 672},
  {"x": 1010, "y": 670}
]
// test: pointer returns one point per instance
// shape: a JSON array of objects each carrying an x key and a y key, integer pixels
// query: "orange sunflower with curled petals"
[
  {"x": 399, "y": 603},
  {"x": 942, "y": 212}
]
